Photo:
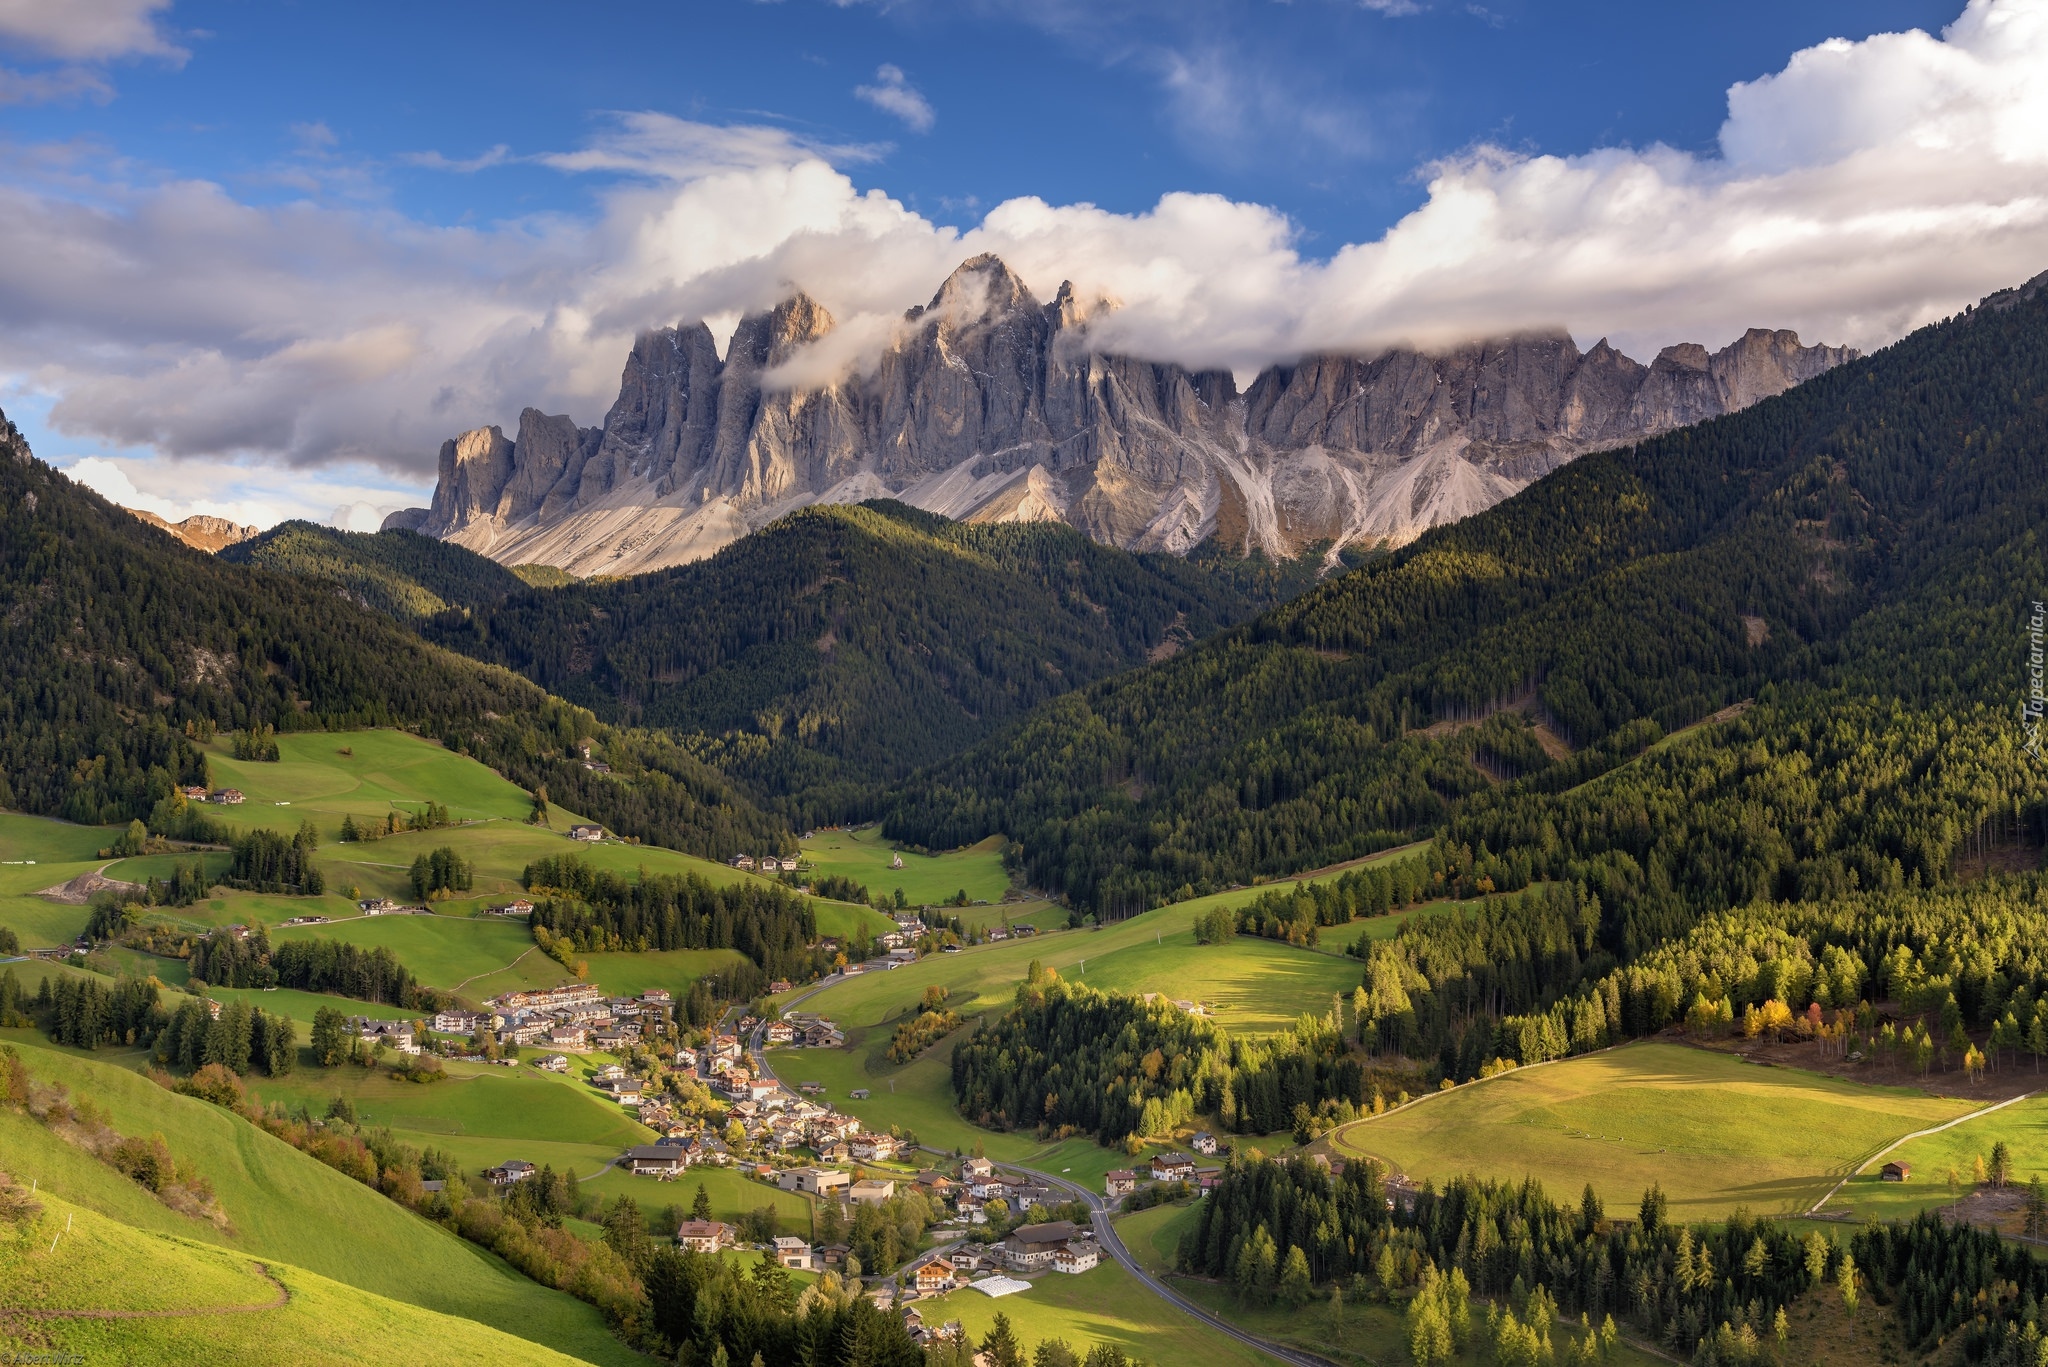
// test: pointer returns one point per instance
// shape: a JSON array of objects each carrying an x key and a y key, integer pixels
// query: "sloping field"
[
  {"x": 864, "y": 857},
  {"x": 157, "y": 1298},
  {"x": 1716, "y": 1133},
  {"x": 288, "y": 1207}
]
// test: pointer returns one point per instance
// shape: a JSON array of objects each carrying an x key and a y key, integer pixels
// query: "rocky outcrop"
[
  {"x": 990, "y": 405},
  {"x": 404, "y": 520},
  {"x": 201, "y": 532}
]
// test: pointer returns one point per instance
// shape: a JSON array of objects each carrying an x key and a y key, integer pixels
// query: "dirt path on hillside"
[{"x": 282, "y": 1299}]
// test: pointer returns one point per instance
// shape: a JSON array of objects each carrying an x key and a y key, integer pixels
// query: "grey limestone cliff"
[{"x": 990, "y": 405}]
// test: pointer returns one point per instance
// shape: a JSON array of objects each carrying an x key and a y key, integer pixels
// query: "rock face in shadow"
[{"x": 989, "y": 405}]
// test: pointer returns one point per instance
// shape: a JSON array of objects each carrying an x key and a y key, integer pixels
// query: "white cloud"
[
  {"x": 351, "y": 497},
  {"x": 86, "y": 30},
  {"x": 892, "y": 93},
  {"x": 1863, "y": 189}
]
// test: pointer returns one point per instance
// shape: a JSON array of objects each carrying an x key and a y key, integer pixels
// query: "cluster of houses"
[
  {"x": 575, "y": 1016},
  {"x": 767, "y": 863},
  {"x": 231, "y": 797},
  {"x": 384, "y": 906},
  {"x": 799, "y": 1030}
]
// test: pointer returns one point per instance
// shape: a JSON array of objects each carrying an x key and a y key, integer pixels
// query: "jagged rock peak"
[
  {"x": 990, "y": 405},
  {"x": 201, "y": 531},
  {"x": 979, "y": 288}
]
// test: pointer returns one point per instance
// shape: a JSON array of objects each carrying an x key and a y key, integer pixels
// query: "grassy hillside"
[
  {"x": 398, "y": 573},
  {"x": 1714, "y": 1132},
  {"x": 182, "y": 1301},
  {"x": 926, "y": 879},
  {"x": 287, "y": 1206},
  {"x": 845, "y": 646}
]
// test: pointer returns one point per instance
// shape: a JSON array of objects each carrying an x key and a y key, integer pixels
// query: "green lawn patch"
[
  {"x": 1106, "y": 1305},
  {"x": 74, "y": 1257},
  {"x": 1715, "y": 1132},
  {"x": 289, "y": 1207},
  {"x": 864, "y": 856}
]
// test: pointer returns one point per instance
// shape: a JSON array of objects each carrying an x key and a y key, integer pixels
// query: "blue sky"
[{"x": 280, "y": 248}]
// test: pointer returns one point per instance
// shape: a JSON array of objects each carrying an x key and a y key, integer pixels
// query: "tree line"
[
  {"x": 1070, "y": 1059},
  {"x": 1275, "y": 1231},
  {"x": 598, "y": 909}
]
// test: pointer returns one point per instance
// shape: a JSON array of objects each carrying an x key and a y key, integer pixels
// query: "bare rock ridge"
[
  {"x": 201, "y": 532},
  {"x": 991, "y": 406}
]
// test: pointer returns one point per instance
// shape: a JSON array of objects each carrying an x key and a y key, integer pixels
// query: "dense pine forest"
[
  {"x": 1858, "y": 556},
  {"x": 398, "y": 573},
  {"x": 843, "y": 647}
]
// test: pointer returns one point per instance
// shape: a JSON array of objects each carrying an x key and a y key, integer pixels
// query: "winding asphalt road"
[{"x": 1099, "y": 1216}]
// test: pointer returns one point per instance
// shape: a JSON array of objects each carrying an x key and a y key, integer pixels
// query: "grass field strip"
[{"x": 1909, "y": 1138}]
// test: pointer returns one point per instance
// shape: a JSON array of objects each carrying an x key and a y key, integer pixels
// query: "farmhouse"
[
  {"x": 793, "y": 1253},
  {"x": 1896, "y": 1172},
  {"x": 231, "y": 796},
  {"x": 196, "y": 794},
  {"x": 522, "y": 907},
  {"x": 1032, "y": 1246},
  {"x": 395, "y": 1034},
  {"x": 874, "y": 1148},
  {"x": 505, "y": 1174},
  {"x": 657, "y": 1160},
  {"x": 781, "y": 1032},
  {"x": 377, "y": 906},
  {"x": 1075, "y": 1256},
  {"x": 1120, "y": 1183},
  {"x": 554, "y": 1063},
  {"x": 586, "y": 833},
  {"x": 933, "y": 1277},
  {"x": 1173, "y": 1167},
  {"x": 704, "y": 1236},
  {"x": 743, "y": 861},
  {"x": 1205, "y": 1144}
]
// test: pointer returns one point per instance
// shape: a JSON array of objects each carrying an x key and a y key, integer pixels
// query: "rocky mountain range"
[
  {"x": 201, "y": 531},
  {"x": 989, "y": 405}
]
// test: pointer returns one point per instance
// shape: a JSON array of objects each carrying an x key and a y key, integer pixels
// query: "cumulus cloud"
[
  {"x": 81, "y": 35},
  {"x": 1865, "y": 188},
  {"x": 892, "y": 93},
  {"x": 86, "y": 30}
]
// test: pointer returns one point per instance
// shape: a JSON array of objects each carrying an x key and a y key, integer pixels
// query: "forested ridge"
[
  {"x": 842, "y": 647},
  {"x": 400, "y": 574},
  {"x": 120, "y": 648},
  {"x": 1858, "y": 555}
]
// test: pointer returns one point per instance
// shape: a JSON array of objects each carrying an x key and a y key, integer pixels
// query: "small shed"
[{"x": 1896, "y": 1171}]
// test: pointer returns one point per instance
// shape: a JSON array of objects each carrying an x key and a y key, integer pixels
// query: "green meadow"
[
  {"x": 926, "y": 879},
  {"x": 285, "y": 1206},
  {"x": 198, "y": 1302},
  {"x": 1252, "y": 985},
  {"x": 2022, "y": 1127},
  {"x": 1105, "y": 1305},
  {"x": 1715, "y": 1132}
]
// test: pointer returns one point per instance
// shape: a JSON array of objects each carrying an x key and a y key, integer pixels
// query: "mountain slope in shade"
[
  {"x": 990, "y": 406},
  {"x": 200, "y": 531}
]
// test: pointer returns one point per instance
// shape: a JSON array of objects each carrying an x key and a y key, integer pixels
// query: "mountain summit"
[{"x": 988, "y": 405}]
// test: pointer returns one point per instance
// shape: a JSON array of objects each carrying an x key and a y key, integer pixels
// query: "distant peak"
[{"x": 980, "y": 287}]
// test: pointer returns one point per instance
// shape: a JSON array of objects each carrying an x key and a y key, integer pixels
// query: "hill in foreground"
[
  {"x": 150, "y": 1297},
  {"x": 284, "y": 1206}
]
